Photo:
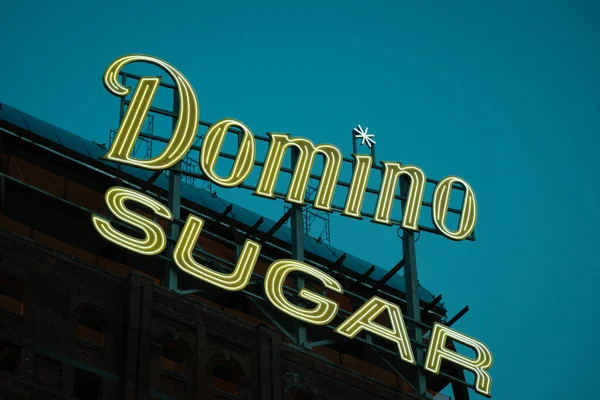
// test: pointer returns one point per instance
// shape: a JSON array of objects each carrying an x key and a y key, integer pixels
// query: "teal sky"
[{"x": 505, "y": 94}]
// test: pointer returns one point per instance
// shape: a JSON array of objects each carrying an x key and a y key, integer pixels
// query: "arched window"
[
  {"x": 226, "y": 375},
  {"x": 11, "y": 295},
  {"x": 90, "y": 327},
  {"x": 172, "y": 357}
]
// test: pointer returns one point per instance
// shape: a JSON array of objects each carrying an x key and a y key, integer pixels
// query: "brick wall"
[{"x": 224, "y": 354}]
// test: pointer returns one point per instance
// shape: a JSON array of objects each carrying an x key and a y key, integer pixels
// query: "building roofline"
[{"x": 90, "y": 152}]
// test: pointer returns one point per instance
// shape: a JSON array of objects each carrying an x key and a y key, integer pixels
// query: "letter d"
[{"x": 187, "y": 120}]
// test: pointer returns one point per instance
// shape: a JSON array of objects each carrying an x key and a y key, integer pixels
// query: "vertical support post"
[
  {"x": 412, "y": 294},
  {"x": 121, "y": 115},
  {"x": 174, "y": 204},
  {"x": 122, "y": 105},
  {"x": 298, "y": 252}
]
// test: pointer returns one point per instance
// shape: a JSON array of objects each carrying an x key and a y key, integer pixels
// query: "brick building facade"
[
  {"x": 81, "y": 318},
  {"x": 149, "y": 342}
]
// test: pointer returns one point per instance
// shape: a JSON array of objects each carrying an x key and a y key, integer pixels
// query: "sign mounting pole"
[
  {"x": 412, "y": 293},
  {"x": 297, "y": 223},
  {"x": 174, "y": 204}
]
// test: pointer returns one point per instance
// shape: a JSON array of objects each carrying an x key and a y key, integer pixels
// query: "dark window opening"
[
  {"x": 48, "y": 372},
  {"x": 10, "y": 357},
  {"x": 298, "y": 394},
  {"x": 225, "y": 373},
  {"x": 11, "y": 295},
  {"x": 90, "y": 328},
  {"x": 172, "y": 357},
  {"x": 226, "y": 378},
  {"x": 86, "y": 385}
]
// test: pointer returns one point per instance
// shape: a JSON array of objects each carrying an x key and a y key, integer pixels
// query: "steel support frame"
[
  {"x": 413, "y": 308},
  {"x": 171, "y": 279},
  {"x": 297, "y": 250},
  {"x": 349, "y": 292},
  {"x": 255, "y": 298},
  {"x": 229, "y": 266},
  {"x": 297, "y": 224},
  {"x": 335, "y": 207}
]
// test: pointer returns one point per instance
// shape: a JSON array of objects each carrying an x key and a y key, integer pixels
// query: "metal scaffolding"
[{"x": 316, "y": 223}]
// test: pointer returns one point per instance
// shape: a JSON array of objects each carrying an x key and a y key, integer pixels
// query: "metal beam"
[
  {"x": 137, "y": 77},
  {"x": 189, "y": 291},
  {"x": 156, "y": 110},
  {"x": 360, "y": 281},
  {"x": 433, "y": 303},
  {"x": 338, "y": 263},
  {"x": 272, "y": 319},
  {"x": 388, "y": 276},
  {"x": 276, "y": 227},
  {"x": 220, "y": 217},
  {"x": 151, "y": 181},
  {"x": 458, "y": 316},
  {"x": 254, "y": 227},
  {"x": 327, "y": 342}
]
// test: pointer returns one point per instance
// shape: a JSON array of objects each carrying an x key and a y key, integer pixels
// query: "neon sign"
[{"x": 323, "y": 309}]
